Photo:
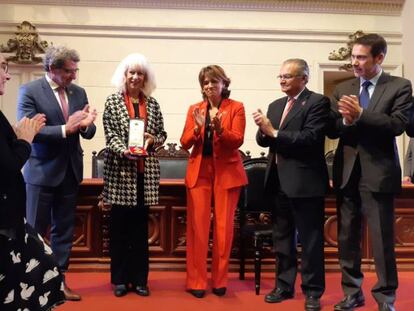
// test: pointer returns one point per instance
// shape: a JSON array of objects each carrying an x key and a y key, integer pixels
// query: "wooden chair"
[
  {"x": 98, "y": 163},
  {"x": 255, "y": 217},
  {"x": 173, "y": 161}
]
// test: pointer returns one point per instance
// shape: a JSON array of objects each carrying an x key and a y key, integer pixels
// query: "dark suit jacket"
[
  {"x": 372, "y": 137},
  {"x": 410, "y": 127},
  {"x": 14, "y": 153},
  {"x": 299, "y": 145},
  {"x": 409, "y": 161},
  {"x": 51, "y": 153}
]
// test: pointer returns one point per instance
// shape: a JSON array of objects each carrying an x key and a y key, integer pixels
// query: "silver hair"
[
  {"x": 132, "y": 60},
  {"x": 56, "y": 56},
  {"x": 302, "y": 66}
]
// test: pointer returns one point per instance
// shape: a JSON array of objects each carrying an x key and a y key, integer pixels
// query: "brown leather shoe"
[{"x": 69, "y": 294}]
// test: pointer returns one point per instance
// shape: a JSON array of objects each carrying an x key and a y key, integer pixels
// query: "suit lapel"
[
  {"x": 297, "y": 107},
  {"x": 355, "y": 87},
  {"x": 378, "y": 91},
  {"x": 50, "y": 95},
  {"x": 224, "y": 110},
  {"x": 71, "y": 99},
  {"x": 275, "y": 114}
]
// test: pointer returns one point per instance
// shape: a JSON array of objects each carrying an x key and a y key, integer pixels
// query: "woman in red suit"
[{"x": 214, "y": 129}]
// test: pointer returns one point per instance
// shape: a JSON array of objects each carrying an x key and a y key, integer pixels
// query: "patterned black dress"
[{"x": 29, "y": 277}]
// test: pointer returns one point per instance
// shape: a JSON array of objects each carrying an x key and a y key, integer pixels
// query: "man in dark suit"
[
  {"x": 294, "y": 131},
  {"x": 367, "y": 113},
  {"x": 55, "y": 167}
]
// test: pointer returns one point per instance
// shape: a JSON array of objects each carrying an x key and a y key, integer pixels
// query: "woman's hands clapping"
[
  {"x": 199, "y": 119},
  {"x": 27, "y": 129}
]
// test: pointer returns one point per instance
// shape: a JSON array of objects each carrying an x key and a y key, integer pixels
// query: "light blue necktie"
[{"x": 364, "y": 96}]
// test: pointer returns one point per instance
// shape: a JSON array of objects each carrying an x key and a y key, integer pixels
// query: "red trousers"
[{"x": 199, "y": 212}]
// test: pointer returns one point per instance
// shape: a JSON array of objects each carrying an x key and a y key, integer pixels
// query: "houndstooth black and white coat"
[{"x": 120, "y": 174}]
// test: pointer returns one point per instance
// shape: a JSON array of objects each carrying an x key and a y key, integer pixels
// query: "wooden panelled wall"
[{"x": 168, "y": 223}]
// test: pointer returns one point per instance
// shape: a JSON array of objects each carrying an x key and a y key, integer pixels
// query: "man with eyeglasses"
[
  {"x": 294, "y": 131},
  {"x": 368, "y": 112},
  {"x": 55, "y": 167}
]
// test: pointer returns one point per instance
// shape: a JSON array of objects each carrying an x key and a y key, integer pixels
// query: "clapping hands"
[
  {"x": 27, "y": 128},
  {"x": 90, "y": 118},
  {"x": 80, "y": 119},
  {"x": 349, "y": 108},
  {"x": 199, "y": 117},
  {"x": 263, "y": 123},
  {"x": 215, "y": 124}
]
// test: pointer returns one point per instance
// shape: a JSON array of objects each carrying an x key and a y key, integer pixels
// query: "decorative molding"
[
  {"x": 26, "y": 45},
  {"x": 196, "y": 33},
  {"x": 372, "y": 7},
  {"x": 344, "y": 53}
]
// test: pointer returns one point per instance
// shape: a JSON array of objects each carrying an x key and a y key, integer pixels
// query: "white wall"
[{"x": 249, "y": 45}]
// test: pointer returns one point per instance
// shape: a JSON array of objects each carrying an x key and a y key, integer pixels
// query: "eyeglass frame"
[
  {"x": 70, "y": 71},
  {"x": 5, "y": 67},
  {"x": 288, "y": 76}
]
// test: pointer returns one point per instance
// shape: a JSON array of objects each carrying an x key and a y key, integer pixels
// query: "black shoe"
[
  {"x": 221, "y": 291},
  {"x": 349, "y": 302},
  {"x": 120, "y": 290},
  {"x": 142, "y": 290},
  {"x": 198, "y": 293},
  {"x": 386, "y": 306},
  {"x": 312, "y": 303},
  {"x": 278, "y": 295}
]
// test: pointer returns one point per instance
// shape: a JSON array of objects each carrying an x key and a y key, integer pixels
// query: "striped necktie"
[
  {"x": 63, "y": 102},
  {"x": 288, "y": 107}
]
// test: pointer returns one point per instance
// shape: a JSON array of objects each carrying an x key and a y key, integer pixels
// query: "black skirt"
[{"x": 29, "y": 277}]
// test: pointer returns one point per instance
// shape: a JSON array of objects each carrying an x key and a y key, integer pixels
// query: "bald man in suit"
[{"x": 368, "y": 112}]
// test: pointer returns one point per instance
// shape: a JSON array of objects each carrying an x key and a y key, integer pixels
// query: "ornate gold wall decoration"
[
  {"x": 344, "y": 53},
  {"x": 26, "y": 45}
]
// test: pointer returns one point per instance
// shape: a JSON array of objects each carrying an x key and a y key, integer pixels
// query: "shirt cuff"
[{"x": 63, "y": 131}]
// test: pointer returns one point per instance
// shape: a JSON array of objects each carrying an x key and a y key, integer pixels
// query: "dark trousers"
[
  {"x": 306, "y": 215},
  {"x": 55, "y": 206},
  {"x": 355, "y": 201},
  {"x": 128, "y": 248}
]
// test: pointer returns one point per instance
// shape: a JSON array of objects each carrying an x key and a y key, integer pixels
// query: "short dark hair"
[
  {"x": 215, "y": 72},
  {"x": 376, "y": 42},
  {"x": 56, "y": 56}
]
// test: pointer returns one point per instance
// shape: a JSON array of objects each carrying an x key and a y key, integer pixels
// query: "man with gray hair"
[
  {"x": 55, "y": 167},
  {"x": 297, "y": 179}
]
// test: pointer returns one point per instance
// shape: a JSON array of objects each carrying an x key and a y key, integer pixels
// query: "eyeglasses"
[
  {"x": 5, "y": 67},
  {"x": 287, "y": 76},
  {"x": 70, "y": 71}
]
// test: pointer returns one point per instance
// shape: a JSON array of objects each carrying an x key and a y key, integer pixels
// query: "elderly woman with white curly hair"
[{"x": 131, "y": 182}]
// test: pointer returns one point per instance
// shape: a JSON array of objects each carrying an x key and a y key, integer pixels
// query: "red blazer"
[{"x": 228, "y": 164}]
